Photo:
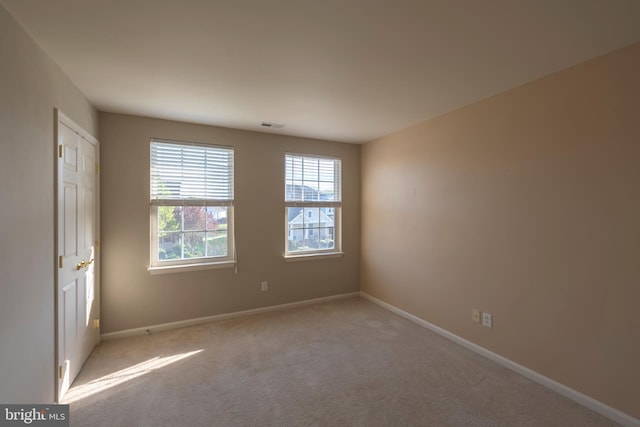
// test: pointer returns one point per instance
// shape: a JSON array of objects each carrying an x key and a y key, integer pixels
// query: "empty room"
[{"x": 305, "y": 213}]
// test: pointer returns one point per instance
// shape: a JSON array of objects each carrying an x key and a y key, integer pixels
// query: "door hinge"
[
  {"x": 60, "y": 151},
  {"x": 60, "y": 261},
  {"x": 60, "y": 369},
  {"x": 96, "y": 323},
  {"x": 97, "y": 245},
  {"x": 97, "y": 168}
]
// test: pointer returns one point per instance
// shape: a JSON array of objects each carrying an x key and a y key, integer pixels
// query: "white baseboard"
[
  {"x": 218, "y": 317},
  {"x": 584, "y": 400}
]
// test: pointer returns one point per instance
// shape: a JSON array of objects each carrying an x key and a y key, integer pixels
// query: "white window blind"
[
  {"x": 312, "y": 181},
  {"x": 191, "y": 174}
]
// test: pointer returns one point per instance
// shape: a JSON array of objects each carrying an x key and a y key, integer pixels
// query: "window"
[
  {"x": 191, "y": 204},
  {"x": 313, "y": 203}
]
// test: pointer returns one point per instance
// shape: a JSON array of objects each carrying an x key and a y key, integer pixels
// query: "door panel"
[
  {"x": 70, "y": 219},
  {"x": 69, "y": 301}
]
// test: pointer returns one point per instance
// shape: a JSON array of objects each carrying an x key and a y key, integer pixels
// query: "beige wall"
[
  {"x": 31, "y": 85},
  {"x": 525, "y": 205},
  {"x": 132, "y": 297}
]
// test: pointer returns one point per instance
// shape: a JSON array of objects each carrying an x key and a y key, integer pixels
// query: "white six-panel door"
[{"x": 77, "y": 294}]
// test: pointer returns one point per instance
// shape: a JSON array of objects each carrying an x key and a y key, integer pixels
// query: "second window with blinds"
[
  {"x": 191, "y": 205},
  {"x": 313, "y": 205}
]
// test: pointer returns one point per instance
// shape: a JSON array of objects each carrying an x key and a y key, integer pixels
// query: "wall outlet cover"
[{"x": 487, "y": 320}]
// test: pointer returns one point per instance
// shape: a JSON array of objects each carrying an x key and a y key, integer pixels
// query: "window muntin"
[
  {"x": 313, "y": 203},
  {"x": 191, "y": 203}
]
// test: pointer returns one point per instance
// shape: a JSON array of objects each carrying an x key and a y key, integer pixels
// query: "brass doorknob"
[{"x": 83, "y": 264}]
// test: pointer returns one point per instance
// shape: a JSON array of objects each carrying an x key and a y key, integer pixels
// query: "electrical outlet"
[
  {"x": 487, "y": 320},
  {"x": 264, "y": 286},
  {"x": 475, "y": 315}
]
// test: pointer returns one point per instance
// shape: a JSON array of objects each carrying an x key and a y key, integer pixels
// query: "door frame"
[{"x": 60, "y": 117}]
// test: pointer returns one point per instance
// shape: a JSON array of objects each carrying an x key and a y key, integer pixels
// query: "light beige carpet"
[{"x": 343, "y": 363}]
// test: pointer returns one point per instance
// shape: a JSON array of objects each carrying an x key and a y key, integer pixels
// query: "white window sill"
[
  {"x": 309, "y": 257},
  {"x": 190, "y": 267}
]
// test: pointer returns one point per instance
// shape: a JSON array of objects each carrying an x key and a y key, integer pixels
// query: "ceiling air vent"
[{"x": 271, "y": 125}]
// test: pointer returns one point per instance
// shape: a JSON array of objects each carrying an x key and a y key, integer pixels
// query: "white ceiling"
[{"x": 343, "y": 70}]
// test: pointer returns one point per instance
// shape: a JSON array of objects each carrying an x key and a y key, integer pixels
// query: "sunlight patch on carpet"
[{"x": 104, "y": 383}]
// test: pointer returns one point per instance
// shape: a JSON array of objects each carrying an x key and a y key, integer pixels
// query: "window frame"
[
  {"x": 336, "y": 205},
  {"x": 197, "y": 263}
]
